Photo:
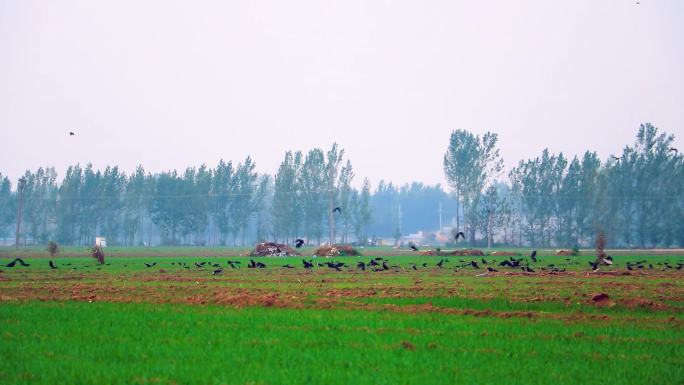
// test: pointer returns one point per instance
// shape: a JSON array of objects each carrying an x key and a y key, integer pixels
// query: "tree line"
[{"x": 636, "y": 199}]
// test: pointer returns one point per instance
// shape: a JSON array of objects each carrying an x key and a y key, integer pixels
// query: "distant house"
[{"x": 101, "y": 241}]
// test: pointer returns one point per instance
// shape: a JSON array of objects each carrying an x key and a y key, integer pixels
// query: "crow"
[
  {"x": 672, "y": 149},
  {"x": 307, "y": 264},
  {"x": 252, "y": 264},
  {"x": 52, "y": 265},
  {"x": 150, "y": 265},
  {"x": 361, "y": 265},
  {"x": 288, "y": 266},
  {"x": 474, "y": 265},
  {"x": 606, "y": 261},
  {"x": 217, "y": 272},
  {"x": 413, "y": 266},
  {"x": 440, "y": 263},
  {"x": 384, "y": 265},
  {"x": 505, "y": 263},
  {"x": 197, "y": 265},
  {"x": 71, "y": 133},
  {"x": 339, "y": 210},
  {"x": 492, "y": 270},
  {"x": 527, "y": 269},
  {"x": 615, "y": 157},
  {"x": 413, "y": 246},
  {"x": 533, "y": 256},
  {"x": 594, "y": 265},
  {"x": 299, "y": 243},
  {"x": 233, "y": 263},
  {"x": 21, "y": 262},
  {"x": 373, "y": 263},
  {"x": 459, "y": 234},
  {"x": 484, "y": 261},
  {"x": 261, "y": 265},
  {"x": 424, "y": 264},
  {"x": 629, "y": 267}
]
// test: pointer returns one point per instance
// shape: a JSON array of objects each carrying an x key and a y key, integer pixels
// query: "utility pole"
[
  {"x": 20, "y": 191},
  {"x": 440, "y": 216}
]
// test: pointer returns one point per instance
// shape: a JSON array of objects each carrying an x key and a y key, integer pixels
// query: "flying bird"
[
  {"x": 672, "y": 149},
  {"x": 21, "y": 262},
  {"x": 413, "y": 246},
  {"x": 339, "y": 210},
  {"x": 615, "y": 157},
  {"x": 71, "y": 133},
  {"x": 459, "y": 234},
  {"x": 299, "y": 243}
]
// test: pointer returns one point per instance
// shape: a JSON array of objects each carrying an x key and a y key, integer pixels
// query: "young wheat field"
[{"x": 186, "y": 316}]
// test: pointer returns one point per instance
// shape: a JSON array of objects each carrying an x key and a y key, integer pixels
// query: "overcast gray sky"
[{"x": 168, "y": 84}]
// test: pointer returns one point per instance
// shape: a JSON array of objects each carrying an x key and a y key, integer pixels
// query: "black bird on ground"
[
  {"x": 233, "y": 263},
  {"x": 217, "y": 272},
  {"x": 251, "y": 264},
  {"x": 484, "y": 261},
  {"x": 339, "y": 210},
  {"x": 594, "y": 265},
  {"x": 299, "y": 243},
  {"x": 288, "y": 266},
  {"x": 413, "y": 246},
  {"x": 440, "y": 263},
  {"x": 491, "y": 269},
  {"x": 413, "y": 266},
  {"x": 533, "y": 256},
  {"x": 373, "y": 262},
  {"x": 150, "y": 264},
  {"x": 474, "y": 265},
  {"x": 197, "y": 265},
  {"x": 261, "y": 265},
  {"x": 384, "y": 265},
  {"x": 21, "y": 262},
  {"x": 52, "y": 265},
  {"x": 527, "y": 269},
  {"x": 307, "y": 264},
  {"x": 361, "y": 265},
  {"x": 335, "y": 266},
  {"x": 424, "y": 264}
]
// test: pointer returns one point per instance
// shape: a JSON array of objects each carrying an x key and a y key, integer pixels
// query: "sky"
[{"x": 170, "y": 84}]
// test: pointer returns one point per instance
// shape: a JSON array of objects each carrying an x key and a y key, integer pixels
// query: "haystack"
[
  {"x": 272, "y": 249},
  {"x": 336, "y": 251}
]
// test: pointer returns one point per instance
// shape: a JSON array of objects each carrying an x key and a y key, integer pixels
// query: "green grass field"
[{"x": 125, "y": 323}]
